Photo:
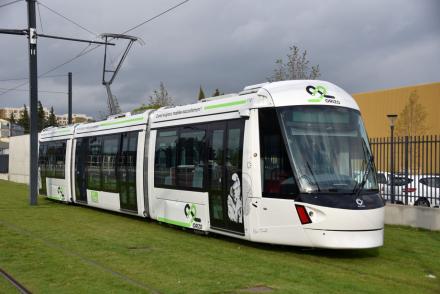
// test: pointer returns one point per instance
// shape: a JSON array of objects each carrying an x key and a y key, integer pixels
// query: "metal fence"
[
  {"x": 408, "y": 169},
  {"x": 4, "y": 163}
]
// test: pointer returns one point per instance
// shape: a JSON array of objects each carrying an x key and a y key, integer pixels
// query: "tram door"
[
  {"x": 80, "y": 169},
  {"x": 225, "y": 176}
]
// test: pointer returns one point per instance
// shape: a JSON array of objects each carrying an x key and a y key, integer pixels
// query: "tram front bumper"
[
  {"x": 345, "y": 239},
  {"x": 345, "y": 229}
]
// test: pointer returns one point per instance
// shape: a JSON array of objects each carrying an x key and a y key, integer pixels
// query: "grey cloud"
[{"x": 360, "y": 45}]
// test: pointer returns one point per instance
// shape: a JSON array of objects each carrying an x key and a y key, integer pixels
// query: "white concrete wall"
[
  {"x": 19, "y": 159},
  {"x": 413, "y": 216},
  {"x": 4, "y": 177}
]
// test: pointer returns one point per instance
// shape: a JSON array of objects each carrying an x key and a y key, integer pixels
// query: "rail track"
[{"x": 22, "y": 289}]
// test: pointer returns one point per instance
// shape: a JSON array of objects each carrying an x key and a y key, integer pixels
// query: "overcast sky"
[{"x": 359, "y": 45}]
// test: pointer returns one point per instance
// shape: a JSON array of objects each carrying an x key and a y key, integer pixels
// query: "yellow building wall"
[{"x": 376, "y": 105}]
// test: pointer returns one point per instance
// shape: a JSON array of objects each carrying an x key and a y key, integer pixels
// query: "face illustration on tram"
[{"x": 235, "y": 203}]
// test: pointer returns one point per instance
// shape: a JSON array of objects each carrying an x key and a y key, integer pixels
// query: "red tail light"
[
  {"x": 303, "y": 215},
  {"x": 409, "y": 190}
]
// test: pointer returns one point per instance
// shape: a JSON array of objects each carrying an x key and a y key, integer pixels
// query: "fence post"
[
  {"x": 392, "y": 166},
  {"x": 406, "y": 168}
]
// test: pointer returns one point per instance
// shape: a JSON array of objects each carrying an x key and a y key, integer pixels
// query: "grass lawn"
[
  {"x": 54, "y": 248},
  {"x": 6, "y": 286}
]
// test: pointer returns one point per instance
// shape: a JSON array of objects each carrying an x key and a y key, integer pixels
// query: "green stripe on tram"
[
  {"x": 227, "y": 104},
  {"x": 56, "y": 197},
  {"x": 174, "y": 222},
  {"x": 110, "y": 123}
]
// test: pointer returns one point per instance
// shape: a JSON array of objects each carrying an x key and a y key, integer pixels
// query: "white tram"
[{"x": 284, "y": 163}]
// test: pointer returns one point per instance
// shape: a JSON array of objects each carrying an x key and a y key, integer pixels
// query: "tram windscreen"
[{"x": 328, "y": 148}]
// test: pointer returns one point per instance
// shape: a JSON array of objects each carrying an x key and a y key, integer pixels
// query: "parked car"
[{"x": 422, "y": 190}]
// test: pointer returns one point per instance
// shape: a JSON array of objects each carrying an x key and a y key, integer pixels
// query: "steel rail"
[{"x": 14, "y": 282}]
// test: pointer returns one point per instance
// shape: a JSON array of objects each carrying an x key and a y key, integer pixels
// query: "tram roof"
[
  {"x": 57, "y": 132},
  {"x": 118, "y": 121},
  {"x": 309, "y": 92},
  {"x": 275, "y": 94}
]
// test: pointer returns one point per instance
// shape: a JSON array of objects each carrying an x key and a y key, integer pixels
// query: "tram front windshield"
[{"x": 329, "y": 149}]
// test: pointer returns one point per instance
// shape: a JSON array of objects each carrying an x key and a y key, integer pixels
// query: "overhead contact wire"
[
  {"x": 84, "y": 51},
  {"x": 9, "y": 3},
  {"x": 68, "y": 19}
]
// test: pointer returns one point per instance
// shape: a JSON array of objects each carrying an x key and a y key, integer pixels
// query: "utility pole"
[
  {"x": 33, "y": 91},
  {"x": 69, "y": 104},
  {"x": 33, "y": 97}
]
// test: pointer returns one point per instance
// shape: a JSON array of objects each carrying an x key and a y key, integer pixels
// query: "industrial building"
[{"x": 376, "y": 105}]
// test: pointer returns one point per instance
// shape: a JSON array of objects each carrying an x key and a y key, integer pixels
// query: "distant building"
[
  {"x": 9, "y": 130},
  {"x": 4, "y": 146},
  {"x": 76, "y": 118},
  {"x": 5, "y": 113},
  {"x": 4, "y": 128}
]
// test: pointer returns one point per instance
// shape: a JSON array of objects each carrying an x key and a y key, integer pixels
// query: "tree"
[
  {"x": 23, "y": 121},
  {"x": 143, "y": 107},
  {"x": 159, "y": 99},
  {"x": 412, "y": 120},
  {"x": 295, "y": 68},
  {"x": 102, "y": 115},
  {"x": 216, "y": 93},
  {"x": 78, "y": 120},
  {"x": 11, "y": 118},
  {"x": 42, "y": 122},
  {"x": 201, "y": 93},
  {"x": 52, "y": 119}
]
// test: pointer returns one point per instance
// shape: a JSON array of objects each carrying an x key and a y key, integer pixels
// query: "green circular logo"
[
  {"x": 190, "y": 211},
  {"x": 319, "y": 90}
]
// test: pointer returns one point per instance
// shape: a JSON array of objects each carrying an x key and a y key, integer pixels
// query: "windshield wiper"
[
  {"x": 360, "y": 186},
  {"x": 313, "y": 176}
]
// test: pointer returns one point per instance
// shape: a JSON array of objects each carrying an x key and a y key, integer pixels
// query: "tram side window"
[
  {"x": 190, "y": 166},
  {"x": 94, "y": 160},
  {"x": 111, "y": 165},
  {"x": 165, "y": 158},
  {"x": 42, "y": 159},
  {"x": 52, "y": 159},
  {"x": 56, "y": 154},
  {"x": 51, "y": 162},
  {"x": 127, "y": 171},
  {"x": 277, "y": 176},
  {"x": 110, "y": 149}
]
